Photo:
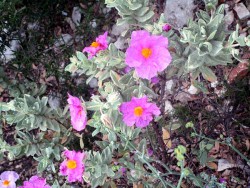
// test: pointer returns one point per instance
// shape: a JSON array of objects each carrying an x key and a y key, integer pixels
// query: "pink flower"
[
  {"x": 147, "y": 54},
  {"x": 139, "y": 112},
  {"x": 155, "y": 80},
  {"x": 166, "y": 27},
  {"x": 100, "y": 43},
  {"x": 8, "y": 179},
  {"x": 73, "y": 166},
  {"x": 77, "y": 113},
  {"x": 150, "y": 152},
  {"x": 122, "y": 170},
  {"x": 35, "y": 182},
  {"x": 127, "y": 69}
]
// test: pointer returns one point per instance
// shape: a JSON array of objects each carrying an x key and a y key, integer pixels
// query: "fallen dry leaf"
[
  {"x": 248, "y": 144},
  {"x": 223, "y": 164},
  {"x": 239, "y": 71},
  {"x": 139, "y": 185},
  {"x": 212, "y": 165},
  {"x": 166, "y": 138}
]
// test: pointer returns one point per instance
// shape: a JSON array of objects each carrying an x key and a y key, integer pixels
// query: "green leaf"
[
  {"x": 115, "y": 78},
  {"x": 81, "y": 56},
  {"x": 94, "y": 105},
  {"x": 146, "y": 17},
  {"x": 217, "y": 46},
  {"x": 194, "y": 61},
  {"x": 203, "y": 157},
  {"x": 135, "y": 6},
  {"x": 241, "y": 40},
  {"x": 200, "y": 86},
  {"x": 142, "y": 11},
  {"x": 112, "y": 137},
  {"x": 208, "y": 74}
]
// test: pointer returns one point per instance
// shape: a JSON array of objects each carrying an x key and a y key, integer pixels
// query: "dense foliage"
[{"x": 126, "y": 115}]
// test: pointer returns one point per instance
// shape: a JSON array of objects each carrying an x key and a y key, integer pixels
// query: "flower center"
[
  {"x": 80, "y": 113},
  {"x": 138, "y": 111},
  {"x": 71, "y": 164},
  {"x": 6, "y": 182},
  {"x": 146, "y": 52},
  {"x": 95, "y": 44}
]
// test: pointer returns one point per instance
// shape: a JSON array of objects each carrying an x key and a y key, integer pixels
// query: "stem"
[
  {"x": 182, "y": 176},
  {"x": 230, "y": 145},
  {"x": 143, "y": 159}
]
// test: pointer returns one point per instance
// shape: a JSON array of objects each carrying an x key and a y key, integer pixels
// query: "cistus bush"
[{"x": 125, "y": 105}]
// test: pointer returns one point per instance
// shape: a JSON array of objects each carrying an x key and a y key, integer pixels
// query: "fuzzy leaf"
[{"x": 208, "y": 74}]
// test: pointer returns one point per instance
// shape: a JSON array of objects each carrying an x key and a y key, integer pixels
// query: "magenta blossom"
[
  {"x": 100, "y": 43},
  {"x": 148, "y": 54},
  {"x": 150, "y": 152},
  {"x": 127, "y": 69},
  {"x": 122, "y": 170},
  {"x": 8, "y": 179},
  {"x": 139, "y": 112},
  {"x": 155, "y": 80},
  {"x": 35, "y": 182},
  {"x": 166, "y": 27},
  {"x": 77, "y": 113},
  {"x": 73, "y": 166}
]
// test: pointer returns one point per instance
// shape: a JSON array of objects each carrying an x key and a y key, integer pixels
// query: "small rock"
[
  {"x": 66, "y": 39},
  {"x": 242, "y": 11},
  {"x": 229, "y": 18},
  {"x": 9, "y": 52},
  {"x": 93, "y": 23},
  {"x": 223, "y": 164},
  {"x": 209, "y": 108},
  {"x": 178, "y": 12},
  {"x": 220, "y": 92},
  {"x": 120, "y": 43},
  {"x": 227, "y": 7},
  {"x": 168, "y": 107},
  {"x": 192, "y": 90},
  {"x": 64, "y": 13},
  {"x": 71, "y": 23},
  {"x": 214, "y": 84},
  {"x": 76, "y": 15},
  {"x": 33, "y": 26},
  {"x": 183, "y": 97},
  {"x": 93, "y": 83},
  {"x": 169, "y": 86},
  {"x": 118, "y": 29},
  {"x": 106, "y": 10},
  {"x": 54, "y": 102}
]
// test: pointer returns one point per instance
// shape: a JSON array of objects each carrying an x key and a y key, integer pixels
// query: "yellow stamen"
[
  {"x": 6, "y": 182},
  {"x": 71, "y": 164},
  {"x": 79, "y": 112},
  {"x": 95, "y": 44},
  {"x": 146, "y": 52},
  {"x": 138, "y": 111}
]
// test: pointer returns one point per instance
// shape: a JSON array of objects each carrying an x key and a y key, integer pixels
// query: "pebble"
[
  {"x": 242, "y": 11},
  {"x": 118, "y": 29},
  {"x": 168, "y": 107},
  {"x": 93, "y": 83},
  {"x": 169, "y": 86},
  {"x": 192, "y": 90},
  {"x": 120, "y": 43},
  {"x": 178, "y": 12},
  {"x": 9, "y": 52},
  {"x": 65, "y": 39},
  {"x": 229, "y": 18},
  {"x": 54, "y": 102},
  {"x": 76, "y": 15}
]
